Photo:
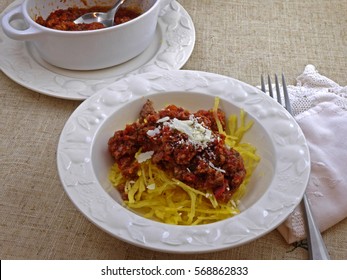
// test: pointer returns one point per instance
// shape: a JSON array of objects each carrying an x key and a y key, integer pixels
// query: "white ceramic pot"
[{"x": 84, "y": 50}]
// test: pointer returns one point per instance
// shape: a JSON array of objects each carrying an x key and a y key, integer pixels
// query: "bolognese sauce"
[
  {"x": 63, "y": 19},
  {"x": 185, "y": 145}
]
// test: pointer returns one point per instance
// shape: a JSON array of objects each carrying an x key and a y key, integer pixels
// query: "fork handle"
[{"x": 317, "y": 249}]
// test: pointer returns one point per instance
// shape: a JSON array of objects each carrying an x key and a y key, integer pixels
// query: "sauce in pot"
[{"x": 62, "y": 19}]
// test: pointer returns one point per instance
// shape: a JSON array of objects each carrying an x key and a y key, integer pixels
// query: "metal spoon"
[{"x": 106, "y": 19}]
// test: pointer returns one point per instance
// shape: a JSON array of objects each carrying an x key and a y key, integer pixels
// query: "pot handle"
[
  {"x": 15, "y": 32},
  {"x": 164, "y": 3}
]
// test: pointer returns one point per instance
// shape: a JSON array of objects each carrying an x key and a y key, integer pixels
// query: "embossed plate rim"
[
  {"x": 77, "y": 174},
  {"x": 22, "y": 67}
]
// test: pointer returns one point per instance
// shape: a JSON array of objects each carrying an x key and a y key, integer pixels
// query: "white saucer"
[{"x": 172, "y": 46}]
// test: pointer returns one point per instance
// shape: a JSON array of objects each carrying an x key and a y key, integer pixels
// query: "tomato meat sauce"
[
  {"x": 187, "y": 146},
  {"x": 62, "y": 19}
]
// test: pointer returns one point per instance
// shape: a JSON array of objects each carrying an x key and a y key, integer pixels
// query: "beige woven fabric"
[{"x": 238, "y": 38}]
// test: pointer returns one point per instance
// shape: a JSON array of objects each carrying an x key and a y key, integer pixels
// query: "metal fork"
[{"x": 316, "y": 247}]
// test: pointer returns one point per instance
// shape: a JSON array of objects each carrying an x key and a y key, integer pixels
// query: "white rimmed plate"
[
  {"x": 171, "y": 48},
  {"x": 276, "y": 188}
]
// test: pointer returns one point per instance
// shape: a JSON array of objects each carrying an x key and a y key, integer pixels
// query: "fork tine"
[
  {"x": 278, "y": 91},
  {"x": 270, "y": 86},
  {"x": 263, "y": 89},
  {"x": 286, "y": 96}
]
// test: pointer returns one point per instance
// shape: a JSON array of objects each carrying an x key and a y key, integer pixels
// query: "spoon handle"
[{"x": 112, "y": 12}]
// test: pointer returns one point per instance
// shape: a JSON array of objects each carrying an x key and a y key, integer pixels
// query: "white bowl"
[
  {"x": 276, "y": 187},
  {"x": 84, "y": 50}
]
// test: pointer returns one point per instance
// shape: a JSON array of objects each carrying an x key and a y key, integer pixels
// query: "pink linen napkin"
[{"x": 320, "y": 108}]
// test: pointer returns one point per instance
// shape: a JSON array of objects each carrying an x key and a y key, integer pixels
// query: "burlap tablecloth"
[{"x": 237, "y": 38}]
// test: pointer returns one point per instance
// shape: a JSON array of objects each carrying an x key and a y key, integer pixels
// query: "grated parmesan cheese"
[
  {"x": 198, "y": 135},
  {"x": 153, "y": 132},
  {"x": 216, "y": 168},
  {"x": 165, "y": 119},
  {"x": 144, "y": 156}
]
